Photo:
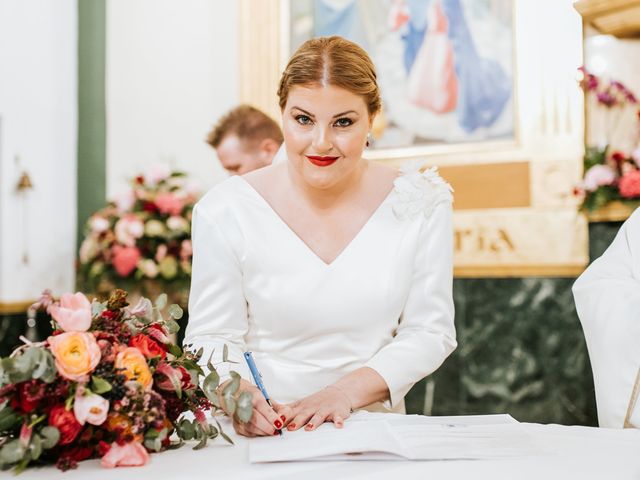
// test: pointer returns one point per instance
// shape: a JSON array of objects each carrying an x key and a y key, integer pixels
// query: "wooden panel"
[
  {"x": 7, "y": 308},
  {"x": 489, "y": 185},
  {"x": 615, "y": 17}
]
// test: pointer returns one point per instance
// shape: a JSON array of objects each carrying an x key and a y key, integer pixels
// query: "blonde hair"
[{"x": 332, "y": 61}]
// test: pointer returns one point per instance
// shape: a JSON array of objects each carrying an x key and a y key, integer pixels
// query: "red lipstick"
[{"x": 321, "y": 161}]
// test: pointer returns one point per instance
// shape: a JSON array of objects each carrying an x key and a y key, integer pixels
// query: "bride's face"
[{"x": 325, "y": 133}]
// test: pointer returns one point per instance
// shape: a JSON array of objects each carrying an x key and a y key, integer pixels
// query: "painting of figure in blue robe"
[{"x": 445, "y": 67}]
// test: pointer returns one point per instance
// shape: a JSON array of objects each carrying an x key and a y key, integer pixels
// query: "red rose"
[
  {"x": 149, "y": 347},
  {"x": 28, "y": 396},
  {"x": 65, "y": 421},
  {"x": 149, "y": 207},
  {"x": 618, "y": 157},
  {"x": 103, "y": 448},
  {"x": 77, "y": 453}
]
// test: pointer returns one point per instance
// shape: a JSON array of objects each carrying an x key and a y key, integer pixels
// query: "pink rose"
[
  {"x": 630, "y": 184},
  {"x": 90, "y": 408},
  {"x": 77, "y": 354},
  {"x": 125, "y": 259},
  {"x": 169, "y": 203},
  {"x": 186, "y": 249},
  {"x": 161, "y": 252},
  {"x": 73, "y": 314},
  {"x": 131, "y": 454},
  {"x": 128, "y": 229},
  {"x": 597, "y": 176}
]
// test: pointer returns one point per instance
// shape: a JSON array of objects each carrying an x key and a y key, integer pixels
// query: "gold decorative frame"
[{"x": 497, "y": 223}]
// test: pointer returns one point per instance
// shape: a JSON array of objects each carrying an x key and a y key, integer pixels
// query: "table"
[{"x": 568, "y": 452}]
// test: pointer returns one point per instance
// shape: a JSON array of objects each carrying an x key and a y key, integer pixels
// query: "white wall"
[
  {"x": 38, "y": 91},
  {"x": 172, "y": 71}
]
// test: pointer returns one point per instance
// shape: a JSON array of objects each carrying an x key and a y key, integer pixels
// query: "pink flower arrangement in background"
[
  {"x": 143, "y": 234},
  {"x": 610, "y": 175}
]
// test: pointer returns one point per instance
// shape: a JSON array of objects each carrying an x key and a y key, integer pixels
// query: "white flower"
[
  {"x": 158, "y": 173},
  {"x": 154, "y": 228},
  {"x": 148, "y": 267},
  {"x": 419, "y": 193},
  {"x": 98, "y": 224},
  {"x": 128, "y": 229},
  {"x": 89, "y": 249},
  {"x": 125, "y": 200},
  {"x": 178, "y": 224},
  {"x": 597, "y": 176}
]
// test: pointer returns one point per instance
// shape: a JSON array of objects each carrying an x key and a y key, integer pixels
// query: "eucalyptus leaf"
[
  {"x": 50, "y": 437},
  {"x": 161, "y": 301},
  {"x": 213, "y": 432},
  {"x": 175, "y": 311},
  {"x": 245, "y": 407},
  {"x": 8, "y": 418},
  {"x": 210, "y": 385},
  {"x": 224, "y": 435},
  {"x": 35, "y": 447},
  {"x": 175, "y": 350},
  {"x": 99, "y": 385},
  {"x": 97, "y": 308},
  {"x": 230, "y": 403},
  {"x": 225, "y": 353},
  {"x": 46, "y": 368},
  {"x": 154, "y": 445},
  {"x": 12, "y": 452},
  {"x": 187, "y": 430},
  {"x": 172, "y": 326},
  {"x": 232, "y": 387},
  {"x": 202, "y": 443}
]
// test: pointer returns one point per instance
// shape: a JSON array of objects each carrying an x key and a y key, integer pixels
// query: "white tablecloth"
[{"x": 565, "y": 452}]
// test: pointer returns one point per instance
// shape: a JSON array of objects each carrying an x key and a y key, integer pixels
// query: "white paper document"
[{"x": 369, "y": 436}]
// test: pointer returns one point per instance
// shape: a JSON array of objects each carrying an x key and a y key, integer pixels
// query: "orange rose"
[
  {"x": 134, "y": 366},
  {"x": 76, "y": 354}
]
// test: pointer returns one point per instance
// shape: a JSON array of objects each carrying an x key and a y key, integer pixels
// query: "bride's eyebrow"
[{"x": 335, "y": 116}]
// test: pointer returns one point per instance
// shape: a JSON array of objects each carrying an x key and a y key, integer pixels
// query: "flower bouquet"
[
  {"x": 610, "y": 175},
  {"x": 142, "y": 239},
  {"x": 107, "y": 383}
]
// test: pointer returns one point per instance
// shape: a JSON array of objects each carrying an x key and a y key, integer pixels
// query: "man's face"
[{"x": 239, "y": 157}]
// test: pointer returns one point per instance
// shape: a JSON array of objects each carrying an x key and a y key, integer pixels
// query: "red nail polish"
[
  {"x": 309, "y": 426},
  {"x": 278, "y": 424},
  {"x": 282, "y": 417},
  {"x": 291, "y": 426},
  {"x": 275, "y": 433}
]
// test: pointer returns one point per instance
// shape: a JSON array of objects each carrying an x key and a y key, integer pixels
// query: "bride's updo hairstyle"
[{"x": 332, "y": 61}]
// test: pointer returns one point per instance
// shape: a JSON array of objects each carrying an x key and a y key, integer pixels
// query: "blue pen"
[{"x": 257, "y": 377}]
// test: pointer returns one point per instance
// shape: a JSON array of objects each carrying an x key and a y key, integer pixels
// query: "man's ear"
[{"x": 268, "y": 148}]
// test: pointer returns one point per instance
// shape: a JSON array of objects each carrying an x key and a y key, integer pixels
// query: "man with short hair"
[{"x": 245, "y": 139}]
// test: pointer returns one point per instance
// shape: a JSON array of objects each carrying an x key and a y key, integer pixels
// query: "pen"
[{"x": 257, "y": 377}]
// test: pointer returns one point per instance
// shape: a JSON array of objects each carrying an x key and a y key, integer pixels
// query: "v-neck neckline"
[{"x": 299, "y": 239}]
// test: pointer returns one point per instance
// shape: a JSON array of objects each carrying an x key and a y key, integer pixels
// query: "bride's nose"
[{"x": 322, "y": 140}]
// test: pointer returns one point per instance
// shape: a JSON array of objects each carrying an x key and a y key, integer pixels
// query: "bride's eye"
[
  {"x": 303, "y": 119},
  {"x": 344, "y": 122}
]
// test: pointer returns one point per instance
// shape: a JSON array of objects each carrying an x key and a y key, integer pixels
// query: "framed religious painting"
[{"x": 472, "y": 86}]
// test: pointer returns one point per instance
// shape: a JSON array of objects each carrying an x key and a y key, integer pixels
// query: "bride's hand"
[
  {"x": 328, "y": 405},
  {"x": 264, "y": 420}
]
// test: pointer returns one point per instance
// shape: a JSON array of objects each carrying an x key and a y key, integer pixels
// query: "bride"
[{"x": 335, "y": 271}]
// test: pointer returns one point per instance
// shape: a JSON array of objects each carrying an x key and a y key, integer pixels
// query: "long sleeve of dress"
[
  {"x": 425, "y": 335},
  {"x": 217, "y": 306},
  {"x": 607, "y": 297}
]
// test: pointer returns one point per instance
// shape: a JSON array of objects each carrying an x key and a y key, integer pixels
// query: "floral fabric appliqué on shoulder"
[{"x": 419, "y": 192}]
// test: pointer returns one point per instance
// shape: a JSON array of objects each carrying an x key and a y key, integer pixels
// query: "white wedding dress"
[{"x": 385, "y": 302}]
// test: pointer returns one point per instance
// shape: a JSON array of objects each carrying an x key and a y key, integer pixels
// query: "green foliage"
[
  {"x": 176, "y": 312},
  {"x": 34, "y": 363},
  {"x": 8, "y": 418},
  {"x": 594, "y": 156},
  {"x": 99, "y": 385},
  {"x": 244, "y": 409}
]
